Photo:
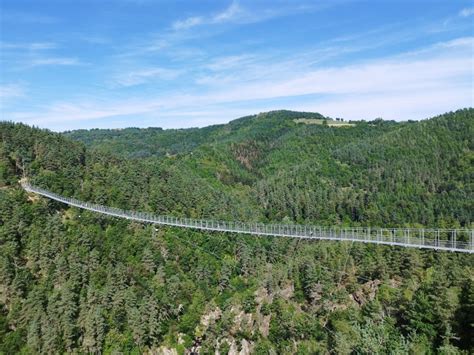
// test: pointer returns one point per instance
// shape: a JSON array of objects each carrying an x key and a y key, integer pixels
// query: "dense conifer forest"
[{"x": 75, "y": 281}]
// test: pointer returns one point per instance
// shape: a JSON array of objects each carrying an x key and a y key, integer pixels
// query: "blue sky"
[{"x": 109, "y": 64}]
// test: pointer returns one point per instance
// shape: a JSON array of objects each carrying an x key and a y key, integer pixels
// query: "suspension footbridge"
[{"x": 455, "y": 240}]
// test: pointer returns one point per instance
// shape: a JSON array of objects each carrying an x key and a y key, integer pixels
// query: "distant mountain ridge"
[{"x": 141, "y": 142}]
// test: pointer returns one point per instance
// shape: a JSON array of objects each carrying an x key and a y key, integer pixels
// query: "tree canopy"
[{"x": 74, "y": 281}]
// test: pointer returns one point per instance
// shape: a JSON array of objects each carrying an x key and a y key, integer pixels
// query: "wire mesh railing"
[{"x": 459, "y": 240}]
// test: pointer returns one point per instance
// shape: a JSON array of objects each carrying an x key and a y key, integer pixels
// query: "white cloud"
[
  {"x": 8, "y": 93},
  {"x": 187, "y": 23},
  {"x": 401, "y": 105},
  {"x": 235, "y": 13},
  {"x": 145, "y": 75},
  {"x": 33, "y": 54},
  {"x": 468, "y": 11},
  {"x": 229, "y": 14},
  {"x": 11, "y": 91},
  {"x": 408, "y": 86},
  {"x": 63, "y": 113},
  {"x": 229, "y": 62},
  {"x": 34, "y": 46},
  {"x": 170, "y": 42},
  {"x": 53, "y": 61}
]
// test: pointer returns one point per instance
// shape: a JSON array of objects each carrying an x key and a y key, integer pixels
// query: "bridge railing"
[{"x": 461, "y": 240}]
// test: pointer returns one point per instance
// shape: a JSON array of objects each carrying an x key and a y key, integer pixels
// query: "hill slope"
[
  {"x": 372, "y": 173},
  {"x": 75, "y": 281}
]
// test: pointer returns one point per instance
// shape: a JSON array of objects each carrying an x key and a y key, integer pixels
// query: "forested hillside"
[
  {"x": 74, "y": 281},
  {"x": 373, "y": 173}
]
